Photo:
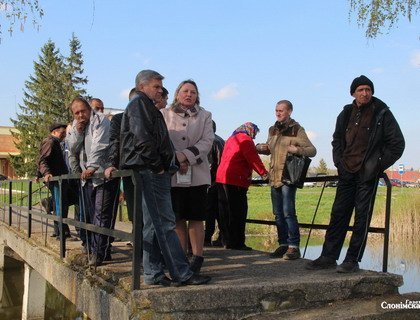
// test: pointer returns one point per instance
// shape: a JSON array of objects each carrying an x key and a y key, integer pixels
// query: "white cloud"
[
  {"x": 311, "y": 135},
  {"x": 415, "y": 59},
  {"x": 226, "y": 92}
]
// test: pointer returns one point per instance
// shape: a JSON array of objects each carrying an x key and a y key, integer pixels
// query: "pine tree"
[
  {"x": 48, "y": 92},
  {"x": 322, "y": 167},
  {"x": 74, "y": 67}
]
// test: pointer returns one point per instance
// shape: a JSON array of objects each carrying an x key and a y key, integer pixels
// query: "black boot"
[{"x": 196, "y": 263}]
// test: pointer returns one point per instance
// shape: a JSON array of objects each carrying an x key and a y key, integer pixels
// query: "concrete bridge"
[{"x": 245, "y": 285}]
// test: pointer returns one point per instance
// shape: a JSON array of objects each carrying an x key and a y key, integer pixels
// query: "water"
[
  {"x": 404, "y": 259},
  {"x": 56, "y": 305},
  {"x": 403, "y": 256}
]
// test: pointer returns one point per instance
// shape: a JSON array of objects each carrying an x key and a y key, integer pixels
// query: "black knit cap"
[
  {"x": 57, "y": 125},
  {"x": 360, "y": 81}
]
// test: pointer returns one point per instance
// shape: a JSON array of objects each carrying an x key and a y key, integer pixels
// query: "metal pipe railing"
[{"x": 381, "y": 230}]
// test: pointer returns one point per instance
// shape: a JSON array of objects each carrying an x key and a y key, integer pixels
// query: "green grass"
[{"x": 405, "y": 202}]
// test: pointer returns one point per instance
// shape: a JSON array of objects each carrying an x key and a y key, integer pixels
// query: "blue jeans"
[
  {"x": 283, "y": 200},
  {"x": 160, "y": 241}
]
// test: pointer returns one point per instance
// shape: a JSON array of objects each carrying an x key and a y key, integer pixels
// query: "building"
[{"x": 7, "y": 148}]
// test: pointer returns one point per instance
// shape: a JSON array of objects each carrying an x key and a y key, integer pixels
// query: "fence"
[{"x": 26, "y": 200}]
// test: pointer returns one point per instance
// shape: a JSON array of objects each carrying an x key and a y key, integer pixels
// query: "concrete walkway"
[{"x": 245, "y": 284}]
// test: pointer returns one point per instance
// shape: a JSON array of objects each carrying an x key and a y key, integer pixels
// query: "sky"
[{"x": 245, "y": 55}]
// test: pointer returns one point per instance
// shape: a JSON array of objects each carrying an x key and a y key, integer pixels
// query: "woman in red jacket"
[{"x": 233, "y": 176}]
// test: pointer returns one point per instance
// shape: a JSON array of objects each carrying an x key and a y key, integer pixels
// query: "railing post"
[
  {"x": 29, "y": 209},
  {"x": 10, "y": 203},
  {"x": 387, "y": 222},
  {"x": 60, "y": 219},
  {"x": 137, "y": 236}
]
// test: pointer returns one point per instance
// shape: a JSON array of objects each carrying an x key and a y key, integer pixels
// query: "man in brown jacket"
[{"x": 51, "y": 163}]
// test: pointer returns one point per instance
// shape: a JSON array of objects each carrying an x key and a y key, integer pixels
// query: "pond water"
[
  {"x": 56, "y": 305},
  {"x": 403, "y": 256},
  {"x": 404, "y": 259}
]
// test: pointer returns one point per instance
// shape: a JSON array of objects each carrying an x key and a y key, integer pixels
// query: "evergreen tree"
[
  {"x": 47, "y": 94},
  {"x": 74, "y": 66},
  {"x": 322, "y": 167}
]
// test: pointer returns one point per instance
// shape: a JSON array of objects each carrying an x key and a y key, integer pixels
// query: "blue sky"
[{"x": 244, "y": 55}]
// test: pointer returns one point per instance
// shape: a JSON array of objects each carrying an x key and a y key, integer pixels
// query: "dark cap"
[
  {"x": 360, "y": 81},
  {"x": 57, "y": 125}
]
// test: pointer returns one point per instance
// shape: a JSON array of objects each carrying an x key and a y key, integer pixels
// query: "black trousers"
[
  {"x": 233, "y": 209},
  {"x": 101, "y": 207},
  {"x": 212, "y": 214},
  {"x": 352, "y": 193}
]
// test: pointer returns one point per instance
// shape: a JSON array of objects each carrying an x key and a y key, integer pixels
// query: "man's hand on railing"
[
  {"x": 47, "y": 177},
  {"x": 87, "y": 173},
  {"x": 108, "y": 172}
]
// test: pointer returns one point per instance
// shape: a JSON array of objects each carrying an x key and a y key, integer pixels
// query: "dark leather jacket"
[
  {"x": 386, "y": 142},
  {"x": 51, "y": 158},
  {"x": 145, "y": 142},
  {"x": 113, "y": 150}
]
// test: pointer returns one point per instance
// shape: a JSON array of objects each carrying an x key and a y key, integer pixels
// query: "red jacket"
[{"x": 239, "y": 158}]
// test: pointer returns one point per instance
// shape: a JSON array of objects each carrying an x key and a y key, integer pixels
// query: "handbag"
[{"x": 295, "y": 169}]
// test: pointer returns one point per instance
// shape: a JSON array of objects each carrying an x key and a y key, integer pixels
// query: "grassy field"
[
  {"x": 405, "y": 207},
  {"x": 405, "y": 215}
]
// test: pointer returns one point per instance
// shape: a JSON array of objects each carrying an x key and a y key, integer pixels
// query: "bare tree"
[
  {"x": 17, "y": 13},
  {"x": 375, "y": 15}
]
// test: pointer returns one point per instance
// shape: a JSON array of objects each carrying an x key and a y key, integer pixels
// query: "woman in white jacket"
[{"x": 191, "y": 132}]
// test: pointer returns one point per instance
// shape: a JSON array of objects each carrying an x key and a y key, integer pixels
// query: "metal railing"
[
  {"x": 324, "y": 179},
  {"x": 14, "y": 205},
  {"x": 9, "y": 204}
]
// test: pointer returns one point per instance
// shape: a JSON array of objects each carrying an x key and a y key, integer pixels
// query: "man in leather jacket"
[
  {"x": 147, "y": 149},
  {"x": 51, "y": 163},
  {"x": 367, "y": 140}
]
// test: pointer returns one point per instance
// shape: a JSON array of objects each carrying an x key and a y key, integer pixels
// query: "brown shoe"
[{"x": 292, "y": 254}]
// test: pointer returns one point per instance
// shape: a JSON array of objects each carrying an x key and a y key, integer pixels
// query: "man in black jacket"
[
  {"x": 147, "y": 149},
  {"x": 367, "y": 140}
]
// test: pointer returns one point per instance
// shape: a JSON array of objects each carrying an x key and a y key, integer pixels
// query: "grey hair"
[
  {"x": 145, "y": 76},
  {"x": 288, "y": 104}
]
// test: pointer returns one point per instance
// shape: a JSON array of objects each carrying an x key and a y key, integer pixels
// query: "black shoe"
[
  {"x": 321, "y": 263},
  {"x": 195, "y": 280},
  {"x": 279, "y": 252},
  {"x": 163, "y": 281},
  {"x": 196, "y": 263},
  {"x": 108, "y": 257},
  {"x": 348, "y": 267},
  {"x": 54, "y": 235},
  {"x": 292, "y": 254},
  {"x": 207, "y": 243},
  {"x": 217, "y": 243},
  {"x": 95, "y": 260}
]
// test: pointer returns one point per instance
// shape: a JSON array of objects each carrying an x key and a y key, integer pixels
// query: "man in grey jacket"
[{"x": 87, "y": 140}]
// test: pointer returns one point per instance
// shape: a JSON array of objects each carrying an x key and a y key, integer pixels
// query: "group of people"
[{"x": 184, "y": 174}]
